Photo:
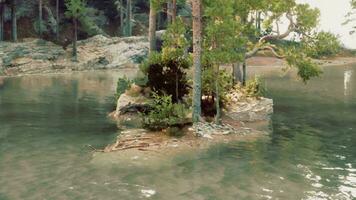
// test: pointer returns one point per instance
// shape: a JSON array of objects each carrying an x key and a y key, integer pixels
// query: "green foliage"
[
  {"x": 307, "y": 18},
  {"x": 208, "y": 82},
  {"x": 324, "y": 44},
  {"x": 76, "y": 8},
  {"x": 255, "y": 88},
  {"x": 164, "y": 113},
  {"x": 307, "y": 69},
  {"x": 351, "y": 16},
  {"x": 37, "y": 25},
  {"x": 122, "y": 85},
  {"x": 92, "y": 21},
  {"x": 175, "y": 43},
  {"x": 166, "y": 71},
  {"x": 222, "y": 43}
]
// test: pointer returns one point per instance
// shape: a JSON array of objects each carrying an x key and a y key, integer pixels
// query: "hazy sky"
[{"x": 332, "y": 16}]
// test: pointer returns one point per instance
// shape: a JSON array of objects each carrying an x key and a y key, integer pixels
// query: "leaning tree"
[{"x": 302, "y": 21}]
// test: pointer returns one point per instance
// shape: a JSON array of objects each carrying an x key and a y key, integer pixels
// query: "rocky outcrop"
[
  {"x": 126, "y": 101},
  {"x": 99, "y": 52},
  {"x": 250, "y": 109}
]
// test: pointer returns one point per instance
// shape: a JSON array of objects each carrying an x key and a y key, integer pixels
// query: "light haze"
[{"x": 332, "y": 16}]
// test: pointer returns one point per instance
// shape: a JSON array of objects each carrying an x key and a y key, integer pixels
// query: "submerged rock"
[{"x": 208, "y": 130}]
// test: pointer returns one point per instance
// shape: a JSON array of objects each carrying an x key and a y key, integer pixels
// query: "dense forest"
[{"x": 49, "y": 18}]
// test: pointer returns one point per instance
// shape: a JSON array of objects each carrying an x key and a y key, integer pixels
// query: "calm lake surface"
[{"x": 46, "y": 123}]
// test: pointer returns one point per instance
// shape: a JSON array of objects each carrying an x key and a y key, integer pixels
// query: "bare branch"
[
  {"x": 291, "y": 28},
  {"x": 253, "y": 52}
]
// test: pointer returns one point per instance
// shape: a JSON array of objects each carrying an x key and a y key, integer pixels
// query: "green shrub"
[
  {"x": 208, "y": 82},
  {"x": 164, "y": 113},
  {"x": 122, "y": 85},
  {"x": 208, "y": 89},
  {"x": 254, "y": 87},
  {"x": 165, "y": 72}
]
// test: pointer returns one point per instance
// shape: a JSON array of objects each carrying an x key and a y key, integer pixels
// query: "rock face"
[
  {"x": 99, "y": 52},
  {"x": 250, "y": 109},
  {"x": 30, "y": 56},
  {"x": 127, "y": 100}
]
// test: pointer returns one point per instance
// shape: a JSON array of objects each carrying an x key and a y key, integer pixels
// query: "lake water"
[{"x": 46, "y": 123}]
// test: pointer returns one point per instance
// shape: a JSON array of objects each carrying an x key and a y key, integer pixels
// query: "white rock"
[{"x": 148, "y": 193}]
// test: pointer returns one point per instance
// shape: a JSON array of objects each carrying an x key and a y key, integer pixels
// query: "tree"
[
  {"x": 128, "y": 28},
  {"x": 40, "y": 22},
  {"x": 351, "y": 16},
  {"x": 2, "y": 18},
  {"x": 197, "y": 55},
  {"x": 221, "y": 45},
  {"x": 57, "y": 20},
  {"x": 154, "y": 5},
  {"x": 13, "y": 21},
  {"x": 75, "y": 10},
  {"x": 174, "y": 11},
  {"x": 302, "y": 22}
]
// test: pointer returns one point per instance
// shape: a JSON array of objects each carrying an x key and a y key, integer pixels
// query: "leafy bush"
[
  {"x": 164, "y": 113},
  {"x": 254, "y": 87},
  {"x": 208, "y": 82},
  {"x": 208, "y": 89},
  {"x": 122, "y": 85}
]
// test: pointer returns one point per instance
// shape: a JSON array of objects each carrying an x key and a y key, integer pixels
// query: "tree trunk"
[
  {"x": 177, "y": 86},
  {"x": 40, "y": 18},
  {"x": 75, "y": 38},
  {"x": 57, "y": 19},
  {"x": 128, "y": 18},
  {"x": 174, "y": 11},
  {"x": 13, "y": 21},
  {"x": 169, "y": 12},
  {"x": 2, "y": 15},
  {"x": 244, "y": 75},
  {"x": 237, "y": 74},
  {"x": 122, "y": 18},
  {"x": 197, "y": 54},
  {"x": 217, "y": 95},
  {"x": 152, "y": 29}
]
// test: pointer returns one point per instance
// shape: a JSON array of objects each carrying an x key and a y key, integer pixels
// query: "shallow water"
[{"x": 46, "y": 122}]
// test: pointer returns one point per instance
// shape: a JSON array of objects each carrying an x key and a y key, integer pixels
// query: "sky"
[{"x": 332, "y": 16}]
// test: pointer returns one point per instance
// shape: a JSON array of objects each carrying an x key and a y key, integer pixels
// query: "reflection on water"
[
  {"x": 347, "y": 82},
  {"x": 46, "y": 122}
]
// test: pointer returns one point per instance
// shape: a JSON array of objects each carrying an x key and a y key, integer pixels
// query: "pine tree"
[
  {"x": 13, "y": 21},
  {"x": 197, "y": 55},
  {"x": 2, "y": 17},
  {"x": 57, "y": 20},
  {"x": 154, "y": 6},
  {"x": 40, "y": 21},
  {"x": 75, "y": 10}
]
